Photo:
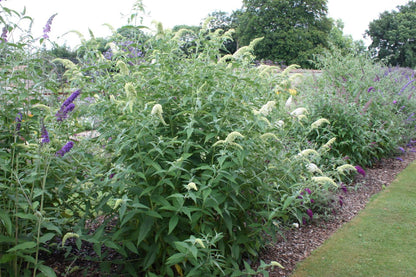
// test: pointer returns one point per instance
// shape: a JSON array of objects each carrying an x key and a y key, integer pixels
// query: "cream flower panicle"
[
  {"x": 329, "y": 143},
  {"x": 200, "y": 242},
  {"x": 232, "y": 136},
  {"x": 289, "y": 103},
  {"x": 118, "y": 203},
  {"x": 279, "y": 124},
  {"x": 267, "y": 136},
  {"x": 313, "y": 168},
  {"x": 345, "y": 168},
  {"x": 319, "y": 122},
  {"x": 324, "y": 180},
  {"x": 68, "y": 236},
  {"x": 158, "y": 111},
  {"x": 191, "y": 185},
  {"x": 130, "y": 91},
  {"x": 308, "y": 152},
  {"x": 266, "y": 109},
  {"x": 298, "y": 112},
  {"x": 124, "y": 70},
  {"x": 230, "y": 140}
]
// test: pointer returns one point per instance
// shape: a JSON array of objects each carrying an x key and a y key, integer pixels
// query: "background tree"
[
  {"x": 345, "y": 43},
  {"x": 293, "y": 30},
  {"x": 393, "y": 36}
]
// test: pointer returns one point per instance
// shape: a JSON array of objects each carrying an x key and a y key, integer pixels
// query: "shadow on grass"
[{"x": 380, "y": 241}]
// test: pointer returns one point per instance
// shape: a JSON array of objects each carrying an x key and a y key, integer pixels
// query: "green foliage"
[
  {"x": 182, "y": 158},
  {"x": 225, "y": 22},
  {"x": 188, "y": 158},
  {"x": 345, "y": 43},
  {"x": 293, "y": 30},
  {"x": 393, "y": 36},
  {"x": 370, "y": 118}
]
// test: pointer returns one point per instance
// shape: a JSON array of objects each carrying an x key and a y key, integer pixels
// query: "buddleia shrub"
[
  {"x": 199, "y": 165},
  {"x": 41, "y": 168},
  {"x": 366, "y": 104}
]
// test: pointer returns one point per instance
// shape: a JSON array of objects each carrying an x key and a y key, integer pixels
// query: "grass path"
[{"x": 380, "y": 241}]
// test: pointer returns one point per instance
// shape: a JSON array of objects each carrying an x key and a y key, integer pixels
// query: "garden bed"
[{"x": 297, "y": 243}]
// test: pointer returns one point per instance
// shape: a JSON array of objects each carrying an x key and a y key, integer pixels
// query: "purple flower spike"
[
  {"x": 312, "y": 201},
  {"x": 310, "y": 213},
  {"x": 341, "y": 203},
  {"x": 67, "y": 106},
  {"x": 344, "y": 188},
  {"x": 402, "y": 149},
  {"x": 360, "y": 170},
  {"x": 406, "y": 85},
  {"x": 18, "y": 120},
  {"x": 400, "y": 159},
  {"x": 308, "y": 191},
  {"x": 63, "y": 113},
  {"x": 47, "y": 27},
  {"x": 4, "y": 34},
  {"x": 65, "y": 149},
  {"x": 44, "y": 135},
  {"x": 72, "y": 97},
  {"x": 370, "y": 89}
]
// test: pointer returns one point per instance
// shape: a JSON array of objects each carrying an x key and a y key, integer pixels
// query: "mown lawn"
[{"x": 380, "y": 241}]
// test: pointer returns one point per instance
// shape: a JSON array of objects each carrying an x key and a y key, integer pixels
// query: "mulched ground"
[{"x": 297, "y": 243}]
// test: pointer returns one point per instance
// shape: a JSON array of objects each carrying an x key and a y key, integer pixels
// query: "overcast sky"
[{"x": 83, "y": 14}]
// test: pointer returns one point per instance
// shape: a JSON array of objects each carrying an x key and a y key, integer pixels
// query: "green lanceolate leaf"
[
  {"x": 145, "y": 228},
  {"x": 23, "y": 246},
  {"x": 173, "y": 222},
  {"x": 5, "y": 220}
]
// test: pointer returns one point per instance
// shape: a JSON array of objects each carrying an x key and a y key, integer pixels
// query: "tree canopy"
[
  {"x": 344, "y": 43},
  {"x": 393, "y": 36},
  {"x": 293, "y": 30}
]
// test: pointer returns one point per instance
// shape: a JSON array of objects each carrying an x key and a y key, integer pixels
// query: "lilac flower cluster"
[
  {"x": 44, "y": 135},
  {"x": 67, "y": 106},
  {"x": 406, "y": 85},
  {"x": 360, "y": 170},
  {"x": 4, "y": 34},
  {"x": 129, "y": 47},
  {"x": 65, "y": 149},
  {"x": 308, "y": 211},
  {"x": 18, "y": 120},
  {"x": 47, "y": 27}
]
